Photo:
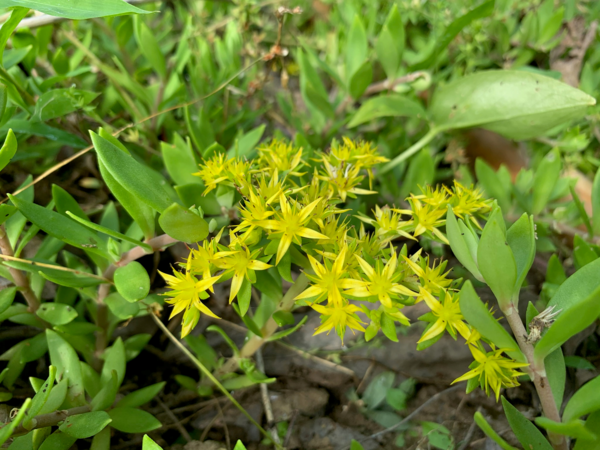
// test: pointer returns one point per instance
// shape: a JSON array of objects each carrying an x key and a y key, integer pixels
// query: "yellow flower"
[
  {"x": 359, "y": 153},
  {"x": 338, "y": 317},
  {"x": 438, "y": 198},
  {"x": 344, "y": 179},
  {"x": 467, "y": 201},
  {"x": 213, "y": 171},
  {"x": 432, "y": 278},
  {"x": 187, "y": 292},
  {"x": 328, "y": 280},
  {"x": 426, "y": 218},
  {"x": 277, "y": 155},
  {"x": 291, "y": 223},
  {"x": 255, "y": 210},
  {"x": 493, "y": 370},
  {"x": 383, "y": 281},
  {"x": 448, "y": 315},
  {"x": 242, "y": 264},
  {"x": 388, "y": 224}
]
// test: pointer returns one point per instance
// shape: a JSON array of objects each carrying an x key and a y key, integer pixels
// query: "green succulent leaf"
[{"x": 525, "y": 431}]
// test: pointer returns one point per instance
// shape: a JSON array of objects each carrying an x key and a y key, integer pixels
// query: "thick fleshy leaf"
[
  {"x": 133, "y": 420},
  {"x": 491, "y": 433},
  {"x": 568, "y": 323},
  {"x": 584, "y": 401},
  {"x": 82, "y": 426},
  {"x": 66, "y": 361},
  {"x": 462, "y": 248},
  {"x": 182, "y": 224},
  {"x": 141, "y": 396},
  {"x": 82, "y": 9},
  {"x": 556, "y": 371},
  {"x": 496, "y": 261},
  {"x": 56, "y": 313},
  {"x": 544, "y": 180},
  {"x": 516, "y": 104},
  {"x": 138, "y": 179},
  {"x": 525, "y": 431},
  {"x": 478, "y": 315},
  {"x": 575, "y": 428},
  {"x": 8, "y": 150},
  {"x": 61, "y": 227},
  {"x": 521, "y": 240},
  {"x": 132, "y": 281}
]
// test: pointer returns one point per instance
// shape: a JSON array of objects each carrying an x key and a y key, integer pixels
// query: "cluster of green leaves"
[{"x": 193, "y": 80}]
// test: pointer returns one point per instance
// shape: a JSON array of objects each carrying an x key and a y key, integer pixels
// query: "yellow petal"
[
  {"x": 310, "y": 234},
  {"x": 307, "y": 210},
  {"x": 438, "y": 328},
  {"x": 312, "y": 291},
  {"x": 367, "y": 269},
  {"x": 258, "y": 265},
  {"x": 284, "y": 245},
  {"x": 236, "y": 284}
]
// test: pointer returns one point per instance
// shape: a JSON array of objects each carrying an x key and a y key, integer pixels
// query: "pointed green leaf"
[
  {"x": 575, "y": 428},
  {"x": 83, "y": 426},
  {"x": 82, "y": 9},
  {"x": 489, "y": 432},
  {"x": 584, "y": 401},
  {"x": 521, "y": 239},
  {"x": 133, "y": 420},
  {"x": 8, "y": 150},
  {"x": 460, "y": 245},
  {"x": 516, "y": 104},
  {"x": 66, "y": 361},
  {"x": 528, "y": 435}
]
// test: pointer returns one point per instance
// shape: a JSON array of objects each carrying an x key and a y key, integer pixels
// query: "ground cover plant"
[{"x": 313, "y": 224}]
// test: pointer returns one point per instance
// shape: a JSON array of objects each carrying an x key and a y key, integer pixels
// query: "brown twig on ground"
[
  {"x": 21, "y": 281},
  {"x": 175, "y": 420},
  {"x": 431, "y": 400},
  {"x": 264, "y": 394}
]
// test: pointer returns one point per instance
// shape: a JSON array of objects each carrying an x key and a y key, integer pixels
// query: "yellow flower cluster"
[{"x": 290, "y": 211}]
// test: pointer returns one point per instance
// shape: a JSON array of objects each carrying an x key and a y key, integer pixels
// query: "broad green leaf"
[
  {"x": 66, "y": 361},
  {"x": 91, "y": 380},
  {"x": 577, "y": 287},
  {"x": 132, "y": 281},
  {"x": 60, "y": 102},
  {"x": 40, "y": 399},
  {"x": 121, "y": 308},
  {"x": 489, "y": 432},
  {"x": 483, "y": 10},
  {"x": 58, "y": 441},
  {"x": 584, "y": 401},
  {"x": 496, "y": 261},
  {"x": 575, "y": 428},
  {"x": 191, "y": 195},
  {"x": 490, "y": 181},
  {"x": 83, "y": 426},
  {"x": 34, "y": 348},
  {"x": 516, "y": 104},
  {"x": 521, "y": 240},
  {"x": 544, "y": 180},
  {"x": 7, "y": 430},
  {"x": 592, "y": 424},
  {"x": 7, "y": 296},
  {"x": 245, "y": 145},
  {"x": 244, "y": 297},
  {"x": 555, "y": 273},
  {"x": 102, "y": 440},
  {"x": 392, "y": 105},
  {"x": 45, "y": 131},
  {"x": 61, "y": 227},
  {"x": 149, "y": 47},
  {"x": 10, "y": 24},
  {"x": 461, "y": 246},
  {"x": 568, "y": 323},
  {"x": 478, "y": 315},
  {"x": 6, "y": 212},
  {"x": 390, "y": 43},
  {"x": 182, "y": 224},
  {"x": 65, "y": 202},
  {"x": 356, "y": 48},
  {"x": 528, "y": 435},
  {"x": 8, "y": 150},
  {"x": 135, "y": 344},
  {"x": 106, "y": 397},
  {"x": 556, "y": 372},
  {"x": 360, "y": 81},
  {"x": 114, "y": 360},
  {"x": 133, "y": 420},
  {"x": 583, "y": 253},
  {"x": 141, "y": 396},
  {"x": 56, "y": 398},
  {"x": 239, "y": 446},
  {"x": 180, "y": 162},
  {"x": 56, "y": 313},
  {"x": 377, "y": 389},
  {"x": 149, "y": 444},
  {"x": 82, "y": 9},
  {"x": 132, "y": 175}
]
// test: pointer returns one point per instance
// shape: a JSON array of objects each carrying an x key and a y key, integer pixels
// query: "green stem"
[
  {"x": 411, "y": 150},
  {"x": 209, "y": 375}
]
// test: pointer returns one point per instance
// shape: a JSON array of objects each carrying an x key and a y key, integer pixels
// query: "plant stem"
[
  {"x": 410, "y": 151},
  {"x": 155, "y": 244},
  {"x": 51, "y": 419},
  {"x": 209, "y": 375},
  {"x": 537, "y": 372},
  {"x": 19, "y": 277},
  {"x": 256, "y": 342}
]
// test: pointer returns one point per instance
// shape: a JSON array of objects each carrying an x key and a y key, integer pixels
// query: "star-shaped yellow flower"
[
  {"x": 448, "y": 315},
  {"x": 493, "y": 370},
  {"x": 242, "y": 264},
  {"x": 338, "y": 317},
  {"x": 291, "y": 224},
  {"x": 382, "y": 281},
  {"x": 329, "y": 280}
]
